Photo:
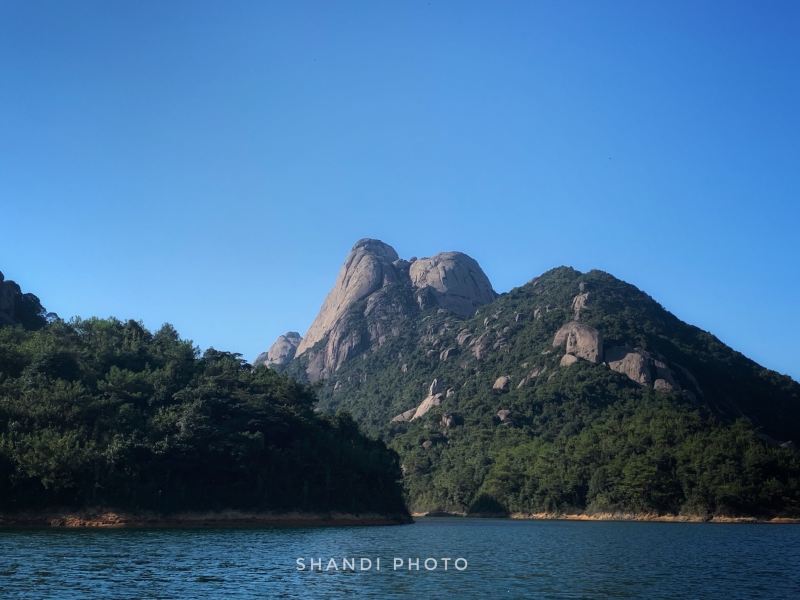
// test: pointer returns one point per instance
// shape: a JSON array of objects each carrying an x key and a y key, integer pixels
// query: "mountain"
[
  {"x": 575, "y": 391},
  {"x": 376, "y": 293},
  {"x": 104, "y": 413}
]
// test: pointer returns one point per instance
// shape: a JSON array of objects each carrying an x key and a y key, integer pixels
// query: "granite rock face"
[
  {"x": 366, "y": 269},
  {"x": 282, "y": 350},
  {"x": 451, "y": 280},
  {"x": 643, "y": 368},
  {"x": 581, "y": 341},
  {"x": 634, "y": 364},
  {"x": 434, "y": 398},
  {"x": 376, "y": 293}
]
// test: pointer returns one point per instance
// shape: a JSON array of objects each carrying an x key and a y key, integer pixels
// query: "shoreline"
[
  {"x": 113, "y": 519},
  {"x": 617, "y": 516}
]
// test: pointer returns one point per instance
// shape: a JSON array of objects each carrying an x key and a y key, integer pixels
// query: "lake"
[{"x": 513, "y": 559}]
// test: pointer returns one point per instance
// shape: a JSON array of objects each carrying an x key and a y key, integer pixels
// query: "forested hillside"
[
  {"x": 574, "y": 392},
  {"x": 102, "y": 412}
]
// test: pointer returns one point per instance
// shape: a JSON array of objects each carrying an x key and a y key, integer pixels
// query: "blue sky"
[{"x": 210, "y": 164}]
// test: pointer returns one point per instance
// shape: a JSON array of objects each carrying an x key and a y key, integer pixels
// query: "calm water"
[{"x": 511, "y": 559}]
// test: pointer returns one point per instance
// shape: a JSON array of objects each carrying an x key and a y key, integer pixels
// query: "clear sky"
[{"x": 210, "y": 164}]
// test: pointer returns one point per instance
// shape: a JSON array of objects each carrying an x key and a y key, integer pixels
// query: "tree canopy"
[{"x": 101, "y": 412}]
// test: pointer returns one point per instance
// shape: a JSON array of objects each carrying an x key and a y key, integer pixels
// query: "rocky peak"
[
  {"x": 282, "y": 350},
  {"x": 376, "y": 290},
  {"x": 367, "y": 268},
  {"x": 450, "y": 280}
]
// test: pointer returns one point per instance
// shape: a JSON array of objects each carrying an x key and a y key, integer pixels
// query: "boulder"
[
  {"x": 481, "y": 346},
  {"x": 448, "y": 353},
  {"x": 436, "y": 387},
  {"x": 502, "y": 384},
  {"x": 464, "y": 337},
  {"x": 404, "y": 416},
  {"x": 568, "y": 360},
  {"x": 634, "y": 364},
  {"x": 427, "y": 404},
  {"x": 504, "y": 415},
  {"x": 642, "y": 367},
  {"x": 580, "y": 340}
]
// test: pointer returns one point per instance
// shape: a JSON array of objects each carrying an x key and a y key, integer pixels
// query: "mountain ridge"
[
  {"x": 549, "y": 363},
  {"x": 375, "y": 292}
]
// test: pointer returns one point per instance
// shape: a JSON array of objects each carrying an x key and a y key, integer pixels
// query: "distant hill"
[{"x": 575, "y": 391}]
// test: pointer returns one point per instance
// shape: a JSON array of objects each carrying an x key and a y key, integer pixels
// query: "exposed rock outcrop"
[
  {"x": 436, "y": 387},
  {"x": 581, "y": 341},
  {"x": 464, "y": 337},
  {"x": 404, "y": 416},
  {"x": 568, "y": 360},
  {"x": 435, "y": 396},
  {"x": 448, "y": 353},
  {"x": 367, "y": 268},
  {"x": 428, "y": 403},
  {"x": 665, "y": 378},
  {"x": 451, "y": 280},
  {"x": 502, "y": 384},
  {"x": 375, "y": 294},
  {"x": 481, "y": 346},
  {"x": 281, "y": 352},
  {"x": 643, "y": 368},
  {"x": 634, "y": 364},
  {"x": 578, "y": 304}
]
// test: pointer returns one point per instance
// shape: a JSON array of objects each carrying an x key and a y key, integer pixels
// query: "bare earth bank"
[
  {"x": 619, "y": 516},
  {"x": 107, "y": 518}
]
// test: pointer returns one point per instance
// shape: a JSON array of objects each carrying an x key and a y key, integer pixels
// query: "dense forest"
[
  {"x": 587, "y": 443},
  {"x": 720, "y": 441},
  {"x": 101, "y": 412}
]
